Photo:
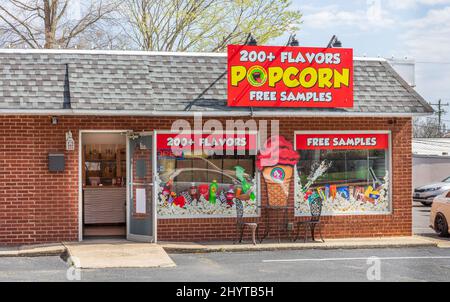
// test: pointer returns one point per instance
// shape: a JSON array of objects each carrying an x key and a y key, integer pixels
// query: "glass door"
[{"x": 141, "y": 222}]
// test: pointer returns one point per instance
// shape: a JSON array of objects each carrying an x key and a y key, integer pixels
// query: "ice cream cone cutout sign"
[{"x": 276, "y": 161}]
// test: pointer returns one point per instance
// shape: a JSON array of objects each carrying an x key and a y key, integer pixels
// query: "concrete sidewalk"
[
  {"x": 348, "y": 243},
  {"x": 97, "y": 254},
  {"x": 121, "y": 246},
  {"x": 439, "y": 241}
]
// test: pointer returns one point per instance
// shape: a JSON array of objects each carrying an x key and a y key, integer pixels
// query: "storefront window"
[
  {"x": 201, "y": 175},
  {"x": 350, "y": 172}
]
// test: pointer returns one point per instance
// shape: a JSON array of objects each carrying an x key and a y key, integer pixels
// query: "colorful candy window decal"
[
  {"x": 349, "y": 171},
  {"x": 276, "y": 161},
  {"x": 200, "y": 175}
]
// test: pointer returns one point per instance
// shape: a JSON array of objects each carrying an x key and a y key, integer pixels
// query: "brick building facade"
[
  {"x": 38, "y": 206},
  {"x": 42, "y": 206}
]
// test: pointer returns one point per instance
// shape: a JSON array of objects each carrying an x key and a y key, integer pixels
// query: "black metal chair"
[
  {"x": 315, "y": 206},
  {"x": 240, "y": 224}
]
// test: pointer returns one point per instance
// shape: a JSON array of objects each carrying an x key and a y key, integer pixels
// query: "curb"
[
  {"x": 34, "y": 251},
  {"x": 198, "y": 250},
  {"x": 61, "y": 249},
  {"x": 440, "y": 242}
]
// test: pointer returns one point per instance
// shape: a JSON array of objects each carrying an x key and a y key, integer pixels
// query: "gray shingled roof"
[{"x": 169, "y": 83}]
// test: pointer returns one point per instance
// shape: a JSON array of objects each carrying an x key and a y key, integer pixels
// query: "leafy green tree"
[{"x": 205, "y": 25}]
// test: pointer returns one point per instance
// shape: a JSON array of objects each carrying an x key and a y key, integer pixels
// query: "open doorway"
[{"x": 104, "y": 166}]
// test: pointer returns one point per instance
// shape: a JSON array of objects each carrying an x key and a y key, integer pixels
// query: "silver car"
[{"x": 426, "y": 194}]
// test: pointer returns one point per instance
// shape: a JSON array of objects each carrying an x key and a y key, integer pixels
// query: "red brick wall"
[{"x": 39, "y": 206}]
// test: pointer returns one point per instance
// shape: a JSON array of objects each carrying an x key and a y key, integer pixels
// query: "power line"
[
  {"x": 431, "y": 62},
  {"x": 426, "y": 126},
  {"x": 431, "y": 143},
  {"x": 440, "y": 112}
]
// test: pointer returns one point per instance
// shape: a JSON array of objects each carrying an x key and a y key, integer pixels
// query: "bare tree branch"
[
  {"x": 427, "y": 127},
  {"x": 15, "y": 28},
  {"x": 49, "y": 24}
]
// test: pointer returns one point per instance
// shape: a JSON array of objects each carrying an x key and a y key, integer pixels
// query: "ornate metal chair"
[
  {"x": 315, "y": 206},
  {"x": 240, "y": 224}
]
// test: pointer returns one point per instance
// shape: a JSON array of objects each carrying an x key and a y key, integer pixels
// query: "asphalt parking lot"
[
  {"x": 397, "y": 264},
  {"x": 421, "y": 219}
]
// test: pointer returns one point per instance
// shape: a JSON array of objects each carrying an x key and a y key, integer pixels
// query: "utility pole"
[{"x": 440, "y": 112}]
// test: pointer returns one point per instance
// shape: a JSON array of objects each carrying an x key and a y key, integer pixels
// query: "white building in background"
[
  {"x": 405, "y": 67},
  {"x": 430, "y": 160}
]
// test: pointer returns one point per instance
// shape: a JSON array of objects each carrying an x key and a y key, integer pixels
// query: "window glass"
[
  {"x": 192, "y": 183},
  {"x": 350, "y": 179}
]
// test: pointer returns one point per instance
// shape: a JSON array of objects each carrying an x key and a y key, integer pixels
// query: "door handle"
[{"x": 142, "y": 184}]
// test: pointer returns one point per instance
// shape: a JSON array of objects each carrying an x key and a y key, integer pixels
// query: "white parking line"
[{"x": 356, "y": 258}]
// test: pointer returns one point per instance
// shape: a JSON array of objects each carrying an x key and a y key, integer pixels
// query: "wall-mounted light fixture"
[
  {"x": 334, "y": 42},
  {"x": 250, "y": 40},
  {"x": 392, "y": 121},
  {"x": 292, "y": 41},
  {"x": 54, "y": 120},
  {"x": 70, "y": 143}
]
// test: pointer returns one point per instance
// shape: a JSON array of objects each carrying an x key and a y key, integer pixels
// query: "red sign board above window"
[
  {"x": 206, "y": 142},
  {"x": 282, "y": 76},
  {"x": 324, "y": 141}
]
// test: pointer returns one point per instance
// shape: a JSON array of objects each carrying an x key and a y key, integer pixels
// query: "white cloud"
[
  {"x": 414, "y": 28},
  {"x": 326, "y": 18},
  {"x": 410, "y": 4},
  {"x": 427, "y": 37},
  {"x": 432, "y": 81},
  {"x": 332, "y": 16}
]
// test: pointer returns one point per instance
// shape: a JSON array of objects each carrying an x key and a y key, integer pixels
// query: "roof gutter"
[
  {"x": 139, "y": 53},
  {"x": 76, "y": 112}
]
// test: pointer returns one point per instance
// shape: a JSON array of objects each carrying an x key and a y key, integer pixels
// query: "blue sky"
[{"x": 418, "y": 29}]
